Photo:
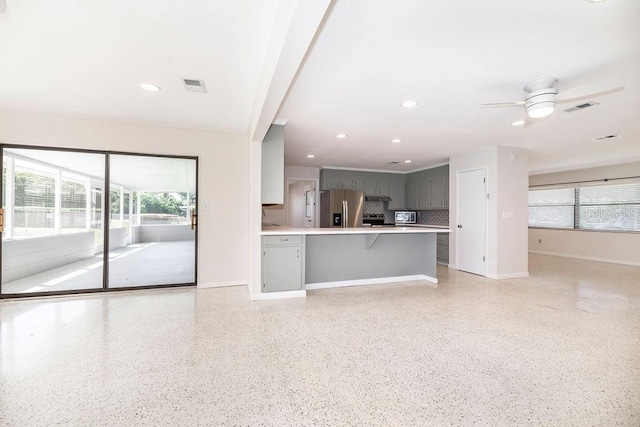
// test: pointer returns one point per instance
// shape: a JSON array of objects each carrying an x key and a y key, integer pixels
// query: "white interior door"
[{"x": 471, "y": 233}]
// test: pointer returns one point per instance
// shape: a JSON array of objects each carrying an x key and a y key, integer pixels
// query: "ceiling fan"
[{"x": 542, "y": 95}]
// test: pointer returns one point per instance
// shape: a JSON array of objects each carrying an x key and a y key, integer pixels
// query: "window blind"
[{"x": 602, "y": 207}]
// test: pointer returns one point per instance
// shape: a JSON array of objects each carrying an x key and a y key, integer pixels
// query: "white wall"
[
  {"x": 483, "y": 158},
  {"x": 507, "y": 187},
  {"x": 163, "y": 233},
  {"x": 24, "y": 257},
  {"x": 224, "y": 169},
  {"x": 622, "y": 248},
  {"x": 513, "y": 211},
  {"x": 306, "y": 174},
  {"x": 277, "y": 214}
]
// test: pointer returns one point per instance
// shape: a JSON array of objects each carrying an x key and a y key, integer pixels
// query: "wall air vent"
[
  {"x": 602, "y": 138},
  {"x": 193, "y": 85},
  {"x": 580, "y": 107},
  {"x": 393, "y": 163}
]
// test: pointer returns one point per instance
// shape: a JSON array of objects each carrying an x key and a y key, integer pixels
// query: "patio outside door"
[
  {"x": 151, "y": 237},
  {"x": 53, "y": 229},
  {"x": 58, "y": 205}
]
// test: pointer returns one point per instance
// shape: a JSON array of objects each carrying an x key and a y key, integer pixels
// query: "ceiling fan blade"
[
  {"x": 528, "y": 121},
  {"x": 593, "y": 89},
  {"x": 502, "y": 104}
]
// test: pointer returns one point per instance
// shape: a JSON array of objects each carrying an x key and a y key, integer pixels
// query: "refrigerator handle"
[{"x": 345, "y": 214}]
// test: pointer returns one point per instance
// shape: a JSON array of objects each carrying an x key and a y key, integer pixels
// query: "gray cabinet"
[
  {"x": 376, "y": 188},
  {"x": 282, "y": 263},
  {"x": 436, "y": 192},
  {"x": 337, "y": 183},
  {"x": 428, "y": 189},
  {"x": 428, "y": 193},
  {"x": 412, "y": 195},
  {"x": 423, "y": 194},
  {"x": 331, "y": 183},
  {"x": 398, "y": 196},
  {"x": 443, "y": 248},
  {"x": 273, "y": 165},
  {"x": 346, "y": 183}
]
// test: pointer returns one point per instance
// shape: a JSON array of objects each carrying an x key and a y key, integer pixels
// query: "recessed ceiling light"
[
  {"x": 341, "y": 135},
  {"x": 396, "y": 140},
  {"x": 310, "y": 156},
  {"x": 409, "y": 104},
  {"x": 407, "y": 161},
  {"x": 150, "y": 87},
  {"x": 518, "y": 123}
]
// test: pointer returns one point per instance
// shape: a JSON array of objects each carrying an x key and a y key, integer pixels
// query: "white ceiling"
[
  {"x": 86, "y": 59},
  {"x": 452, "y": 56}
]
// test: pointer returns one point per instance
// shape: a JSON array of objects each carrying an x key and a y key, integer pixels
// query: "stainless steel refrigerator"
[{"x": 341, "y": 208}]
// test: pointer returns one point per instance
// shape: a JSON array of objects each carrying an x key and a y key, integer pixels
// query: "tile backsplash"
[
  {"x": 440, "y": 217},
  {"x": 374, "y": 208}
]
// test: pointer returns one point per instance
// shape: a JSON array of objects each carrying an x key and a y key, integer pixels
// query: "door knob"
[{"x": 459, "y": 226}]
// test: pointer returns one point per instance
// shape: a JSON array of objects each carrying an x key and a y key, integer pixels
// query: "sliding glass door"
[
  {"x": 151, "y": 237},
  {"x": 57, "y": 206}
]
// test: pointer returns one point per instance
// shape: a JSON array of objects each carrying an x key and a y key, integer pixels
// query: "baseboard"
[
  {"x": 278, "y": 295},
  {"x": 222, "y": 284},
  {"x": 507, "y": 276},
  {"x": 363, "y": 282},
  {"x": 612, "y": 261}
]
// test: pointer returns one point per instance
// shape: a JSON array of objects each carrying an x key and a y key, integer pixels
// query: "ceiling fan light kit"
[
  {"x": 541, "y": 100},
  {"x": 542, "y": 95}
]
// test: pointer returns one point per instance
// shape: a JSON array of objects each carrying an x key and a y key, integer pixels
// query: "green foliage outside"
[{"x": 157, "y": 203}]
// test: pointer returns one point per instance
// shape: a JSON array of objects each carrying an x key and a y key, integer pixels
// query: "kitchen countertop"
[
  {"x": 428, "y": 226},
  {"x": 280, "y": 230}
]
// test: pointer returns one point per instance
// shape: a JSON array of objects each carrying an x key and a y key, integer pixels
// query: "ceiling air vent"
[
  {"x": 193, "y": 85},
  {"x": 602, "y": 138},
  {"x": 580, "y": 107},
  {"x": 393, "y": 163}
]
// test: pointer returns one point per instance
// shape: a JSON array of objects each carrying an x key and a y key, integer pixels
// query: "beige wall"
[
  {"x": 622, "y": 248},
  {"x": 224, "y": 166}
]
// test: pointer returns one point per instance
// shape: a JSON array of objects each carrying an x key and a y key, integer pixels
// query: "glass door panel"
[
  {"x": 151, "y": 239},
  {"x": 52, "y": 233}
]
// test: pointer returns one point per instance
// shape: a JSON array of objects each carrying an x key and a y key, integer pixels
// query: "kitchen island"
[{"x": 298, "y": 259}]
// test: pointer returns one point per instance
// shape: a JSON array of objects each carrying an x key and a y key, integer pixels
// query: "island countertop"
[{"x": 284, "y": 231}]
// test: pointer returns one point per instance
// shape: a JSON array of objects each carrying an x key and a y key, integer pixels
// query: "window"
[
  {"x": 614, "y": 207},
  {"x": 607, "y": 207},
  {"x": 552, "y": 208}
]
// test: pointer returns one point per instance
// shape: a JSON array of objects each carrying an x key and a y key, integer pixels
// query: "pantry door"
[{"x": 471, "y": 229}]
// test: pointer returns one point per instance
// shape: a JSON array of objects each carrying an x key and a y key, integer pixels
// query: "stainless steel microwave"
[{"x": 405, "y": 217}]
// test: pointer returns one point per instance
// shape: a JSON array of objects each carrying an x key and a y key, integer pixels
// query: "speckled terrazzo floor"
[{"x": 559, "y": 348}]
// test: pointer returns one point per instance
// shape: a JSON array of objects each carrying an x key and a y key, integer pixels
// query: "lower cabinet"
[
  {"x": 282, "y": 263},
  {"x": 443, "y": 248}
]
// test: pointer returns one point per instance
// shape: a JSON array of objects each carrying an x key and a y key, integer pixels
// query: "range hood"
[{"x": 377, "y": 198}]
